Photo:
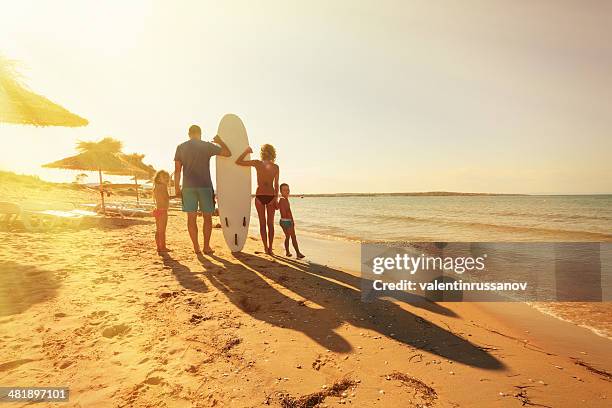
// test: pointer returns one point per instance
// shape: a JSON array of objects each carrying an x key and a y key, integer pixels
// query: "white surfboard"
[{"x": 234, "y": 184}]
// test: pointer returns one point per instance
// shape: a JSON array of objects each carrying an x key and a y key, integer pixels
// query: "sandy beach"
[
  {"x": 445, "y": 170},
  {"x": 96, "y": 309}
]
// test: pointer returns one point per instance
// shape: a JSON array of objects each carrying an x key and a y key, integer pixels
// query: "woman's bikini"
[{"x": 264, "y": 198}]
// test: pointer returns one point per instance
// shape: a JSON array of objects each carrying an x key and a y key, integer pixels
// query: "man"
[{"x": 192, "y": 158}]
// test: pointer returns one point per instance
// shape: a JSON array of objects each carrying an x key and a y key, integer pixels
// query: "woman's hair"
[
  {"x": 268, "y": 152},
  {"x": 159, "y": 174}
]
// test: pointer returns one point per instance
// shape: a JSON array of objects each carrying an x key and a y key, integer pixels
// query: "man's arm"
[
  {"x": 225, "y": 151},
  {"x": 178, "y": 167}
]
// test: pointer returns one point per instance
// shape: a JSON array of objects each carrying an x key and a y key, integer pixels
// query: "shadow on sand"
[
  {"x": 45, "y": 227},
  {"x": 184, "y": 275},
  {"x": 357, "y": 283},
  {"x": 22, "y": 286},
  {"x": 337, "y": 304}
]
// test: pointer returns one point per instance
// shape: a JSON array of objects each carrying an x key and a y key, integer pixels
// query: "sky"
[{"x": 368, "y": 96}]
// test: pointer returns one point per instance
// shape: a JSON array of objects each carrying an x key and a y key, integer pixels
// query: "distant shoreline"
[
  {"x": 35, "y": 179},
  {"x": 446, "y": 194},
  {"x": 427, "y": 193}
]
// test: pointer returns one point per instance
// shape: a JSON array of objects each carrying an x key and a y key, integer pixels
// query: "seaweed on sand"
[
  {"x": 422, "y": 390},
  {"x": 316, "y": 398}
]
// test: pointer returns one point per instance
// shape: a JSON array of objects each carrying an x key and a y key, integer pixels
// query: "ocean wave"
[
  {"x": 497, "y": 227},
  {"x": 552, "y": 216},
  {"x": 602, "y": 332},
  {"x": 519, "y": 228}
]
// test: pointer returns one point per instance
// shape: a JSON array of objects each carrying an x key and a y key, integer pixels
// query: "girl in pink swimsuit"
[{"x": 162, "y": 202}]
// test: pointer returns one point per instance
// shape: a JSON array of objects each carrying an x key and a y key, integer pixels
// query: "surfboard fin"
[{"x": 244, "y": 221}]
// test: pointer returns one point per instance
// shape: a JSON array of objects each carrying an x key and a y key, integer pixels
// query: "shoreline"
[
  {"x": 345, "y": 255},
  {"x": 552, "y": 235}
]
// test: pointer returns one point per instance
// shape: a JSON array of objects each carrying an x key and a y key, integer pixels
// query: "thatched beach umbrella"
[
  {"x": 21, "y": 106},
  {"x": 138, "y": 169},
  {"x": 103, "y": 156}
]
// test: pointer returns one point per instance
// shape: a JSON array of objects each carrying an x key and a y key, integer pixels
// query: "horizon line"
[
  {"x": 440, "y": 193},
  {"x": 436, "y": 193}
]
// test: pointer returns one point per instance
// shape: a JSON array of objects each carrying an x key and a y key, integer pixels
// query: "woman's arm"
[
  {"x": 276, "y": 177},
  {"x": 276, "y": 187},
  {"x": 241, "y": 162}
]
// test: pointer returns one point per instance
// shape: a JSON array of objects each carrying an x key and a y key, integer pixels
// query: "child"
[
  {"x": 162, "y": 201},
  {"x": 286, "y": 221}
]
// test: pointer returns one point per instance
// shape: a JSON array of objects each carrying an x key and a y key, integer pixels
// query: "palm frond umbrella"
[
  {"x": 21, "y": 106},
  {"x": 138, "y": 169},
  {"x": 102, "y": 156}
]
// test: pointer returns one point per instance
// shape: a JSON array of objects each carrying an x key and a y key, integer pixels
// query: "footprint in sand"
[
  {"x": 98, "y": 317},
  {"x": 11, "y": 365},
  {"x": 65, "y": 364},
  {"x": 154, "y": 377},
  {"x": 117, "y": 330},
  {"x": 168, "y": 295},
  {"x": 153, "y": 380},
  {"x": 97, "y": 314}
]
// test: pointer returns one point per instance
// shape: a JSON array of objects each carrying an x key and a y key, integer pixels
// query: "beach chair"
[
  {"x": 50, "y": 219},
  {"x": 40, "y": 219},
  {"x": 176, "y": 203},
  {"x": 129, "y": 210},
  {"x": 122, "y": 209},
  {"x": 9, "y": 213}
]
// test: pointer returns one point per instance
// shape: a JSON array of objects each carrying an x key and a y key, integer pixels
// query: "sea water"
[
  {"x": 458, "y": 218},
  {"x": 533, "y": 218}
]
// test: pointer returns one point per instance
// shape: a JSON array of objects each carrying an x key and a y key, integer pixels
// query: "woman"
[{"x": 266, "y": 195}]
